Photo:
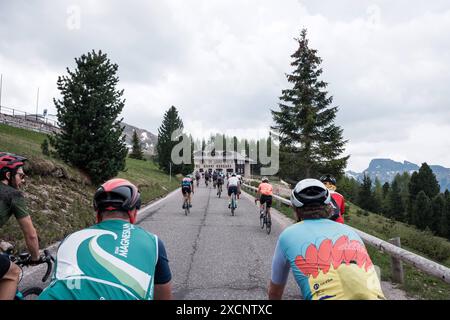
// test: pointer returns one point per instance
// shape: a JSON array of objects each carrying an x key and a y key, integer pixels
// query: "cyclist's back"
[
  {"x": 111, "y": 260},
  {"x": 344, "y": 269}
]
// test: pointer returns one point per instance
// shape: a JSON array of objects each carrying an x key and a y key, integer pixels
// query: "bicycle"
[
  {"x": 186, "y": 206},
  {"x": 24, "y": 260},
  {"x": 264, "y": 217},
  {"x": 219, "y": 189},
  {"x": 233, "y": 205},
  {"x": 198, "y": 182}
]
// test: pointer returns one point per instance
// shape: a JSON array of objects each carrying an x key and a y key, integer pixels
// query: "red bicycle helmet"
[
  {"x": 118, "y": 194},
  {"x": 10, "y": 162}
]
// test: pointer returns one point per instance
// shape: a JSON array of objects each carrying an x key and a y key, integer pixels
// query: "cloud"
[{"x": 223, "y": 64}]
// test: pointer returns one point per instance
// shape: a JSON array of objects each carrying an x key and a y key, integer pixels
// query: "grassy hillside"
[
  {"x": 59, "y": 196},
  {"x": 421, "y": 242}
]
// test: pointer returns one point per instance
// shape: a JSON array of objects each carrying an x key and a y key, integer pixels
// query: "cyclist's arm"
[
  {"x": 31, "y": 237},
  {"x": 280, "y": 273},
  {"x": 163, "y": 276}
]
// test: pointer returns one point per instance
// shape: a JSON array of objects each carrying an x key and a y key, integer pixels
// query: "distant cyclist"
[
  {"x": 220, "y": 181},
  {"x": 337, "y": 199},
  {"x": 187, "y": 187},
  {"x": 328, "y": 259},
  {"x": 265, "y": 191},
  {"x": 197, "y": 177},
  {"x": 214, "y": 178},
  {"x": 207, "y": 176},
  {"x": 232, "y": 186},
  {"x": 12, "y": 202},
  {"x": 114, "y": 259}
]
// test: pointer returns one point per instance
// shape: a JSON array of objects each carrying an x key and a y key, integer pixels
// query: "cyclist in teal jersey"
[
  {"x": 328, "y": 259},
  {"x": 114, "y": 259}
]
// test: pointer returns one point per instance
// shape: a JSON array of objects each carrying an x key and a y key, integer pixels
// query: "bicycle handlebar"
[{"x": 24, "y": 259}]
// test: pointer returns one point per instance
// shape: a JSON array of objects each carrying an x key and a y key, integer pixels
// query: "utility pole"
[
  {"x": 37, "y": 104},
  {"x": 170, "y": 172}
]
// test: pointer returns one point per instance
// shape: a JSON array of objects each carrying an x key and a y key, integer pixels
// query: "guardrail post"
[{"x": 396, "y": 264}]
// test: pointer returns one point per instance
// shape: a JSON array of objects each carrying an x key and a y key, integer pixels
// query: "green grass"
[
  {"x": 423, "y": 243},
  {"x": 60, "y": 205}
]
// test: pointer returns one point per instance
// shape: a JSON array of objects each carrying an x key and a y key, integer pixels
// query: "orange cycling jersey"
[{"x": 265, "y": 189}]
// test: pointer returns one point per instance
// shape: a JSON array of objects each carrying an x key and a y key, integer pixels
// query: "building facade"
[{"x": 226, "y": 162}]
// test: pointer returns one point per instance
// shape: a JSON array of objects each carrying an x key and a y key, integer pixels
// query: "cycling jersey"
[
  {"x": 328, "y": 260},
  {"x": 12, "y": 202},
  {"x": 233, "y": 182},
  {"x": 265, "y": 189},
  {"x": 338, "y": 204},
  {"x": 186, "y": 183},
  {"x": 113, "y": 260}
]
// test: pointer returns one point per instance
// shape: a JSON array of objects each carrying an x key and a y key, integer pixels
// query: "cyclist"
[
  {"x": 239, "y": 185},
  {"x": 266, "y": 191},
  {"x": 337, "y": 199},
  {"x": 328, "y": 260},
  {"x": 220, "y": 180},
  {"x": 114, "y": 259},
  {"x": 232, "y": 186},
  {"x": 187, "y": 187},
  {"x": 214, "y": 178},
  {"x": 197, "y": 177},
  {"x": 207, "y": 176},
  {"x": 12, "y": 202}
]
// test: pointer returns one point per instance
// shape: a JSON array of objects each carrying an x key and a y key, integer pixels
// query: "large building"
[{"x": 226, "y": 162}]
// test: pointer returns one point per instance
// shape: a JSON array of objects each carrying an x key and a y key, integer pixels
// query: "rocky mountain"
[
  {"x": 386, "y": 169},
  {"x": 148, "y": 139}
]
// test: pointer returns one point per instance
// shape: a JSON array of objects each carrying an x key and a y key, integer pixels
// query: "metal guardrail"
[
  {"x": 27, "y": 116},
  {"x": 429, "y": 267}
]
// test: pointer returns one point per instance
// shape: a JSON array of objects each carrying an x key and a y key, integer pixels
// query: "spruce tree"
[
  {"x": 422, "y": 212},
  {"x": 91, "y": 135},
  {"x": 365, "y": 198},
  {"x": 438, "y": 212},
  {"x": 136, "y": 151},
  {"x": 395, "y": 203},
  {"x": 310, "y": 142},
  {"x": 386, "y": 187},
  {"x": 170, "y": 123},
  {"x": 377, "y": 196},
  {"x": 444, "y": 224}
]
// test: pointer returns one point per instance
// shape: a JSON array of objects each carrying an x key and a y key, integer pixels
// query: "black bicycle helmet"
[
  {"x": 117, "y": 194},
  {"x": 310, "y": 192},
  {"x": 328, "y": 178}
]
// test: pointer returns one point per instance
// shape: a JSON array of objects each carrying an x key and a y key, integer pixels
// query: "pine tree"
[
  {"x": 44, "y": 148},
  {"x": 365, "y": 198},
  {"x": 386, "y": 188},
  {"x": 438, "y": 212},
  {"x": 422, "y": 212},
  {"x": 310, "y": 142},
  {"x": 424, "y": 180},
  {"x": 171, "y": 122},
  {"x": 377, "y": 196},
  {"x": 444, "y": 224},
  {"x": 91, "y": 136},
  {"x": 395, "y": 203},
  {"x": 136, "y": 151}
]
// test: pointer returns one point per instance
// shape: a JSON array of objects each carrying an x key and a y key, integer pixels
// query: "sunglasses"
[{"x": 21, "y": 175}]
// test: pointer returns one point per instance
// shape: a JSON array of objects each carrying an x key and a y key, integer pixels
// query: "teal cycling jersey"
[
  {"x": 113, "y": 260},
  {"x": 186, "y": 183},
  {"x": 328, "y": 260}
]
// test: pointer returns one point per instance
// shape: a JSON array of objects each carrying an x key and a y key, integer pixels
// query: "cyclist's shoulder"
[{"x": 9, "y": 193}]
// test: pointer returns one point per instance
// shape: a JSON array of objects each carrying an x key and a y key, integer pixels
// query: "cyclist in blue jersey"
[
  {"x": 187, "y": 187},
  {"x": 114, "y": 259},
  {"x": 328, "y": 259}
]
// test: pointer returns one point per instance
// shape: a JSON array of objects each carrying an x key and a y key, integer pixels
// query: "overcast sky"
[{"x": 222, "y": 63}]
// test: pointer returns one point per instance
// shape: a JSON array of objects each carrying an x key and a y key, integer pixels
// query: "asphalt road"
[{"x": 212, "y": 254}]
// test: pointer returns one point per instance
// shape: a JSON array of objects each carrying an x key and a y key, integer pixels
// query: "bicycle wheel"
[
  {"x": 268, "y": 223},
  {"x": 186, "y": 207},
  {"x": 261, "y": 219},
  {"x": 31, "y": 293},
  {"x": 233, "y": 203}
]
